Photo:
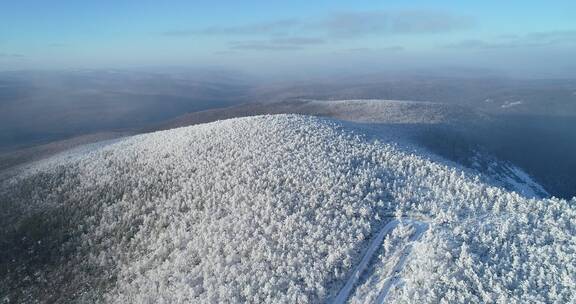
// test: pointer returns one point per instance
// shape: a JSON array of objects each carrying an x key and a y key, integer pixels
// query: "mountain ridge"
[{"x": 272, "y": 209}]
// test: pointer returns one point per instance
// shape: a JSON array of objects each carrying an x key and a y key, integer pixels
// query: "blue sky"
[{"x": 532, "y": 36}]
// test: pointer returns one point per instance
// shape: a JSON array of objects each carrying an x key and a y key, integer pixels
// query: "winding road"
[{"x": 375, "y": 244}]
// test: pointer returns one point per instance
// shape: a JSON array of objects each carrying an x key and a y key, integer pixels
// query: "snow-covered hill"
[
  {"x": 357, "y": 110},
  {"x": 276, "y": 209},
  {"x": 393, "y": 111}
]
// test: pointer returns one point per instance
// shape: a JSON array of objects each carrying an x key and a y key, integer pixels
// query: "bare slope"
[{"x": 276, "y": 209}]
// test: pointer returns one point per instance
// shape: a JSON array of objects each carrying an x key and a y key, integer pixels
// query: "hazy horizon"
[
  {"x": 298, "y": 151},
  {"x": 261, "y": 37}
]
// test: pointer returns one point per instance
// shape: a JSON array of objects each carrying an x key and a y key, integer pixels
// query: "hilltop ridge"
[{"x": 275, "y": 208}]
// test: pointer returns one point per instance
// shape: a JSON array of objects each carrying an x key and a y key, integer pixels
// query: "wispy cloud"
[
  {"x": 57, "y": 45},
  {"x": 509, "y": 41},
  {"x": 258, "y": 46},
  {"x": 390, "y": 49},
  {"x": 297, "y": 41},
  {"x": 344, "y": 25},
  {"x": 11, "y": 55},
  {"x": 354, "y": 24},
  {"x": 227, "y": 52},
  {"x": 425, "y": 22},
  {"x": 246, "y": 29},
  {"x": 276, "y": 44},
  {"x": 300, "y": 33},
  {"x": 554, "y": 36}
]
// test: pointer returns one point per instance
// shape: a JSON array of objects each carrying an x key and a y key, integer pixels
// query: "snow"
[
  {"x": 277, "y": 209},
  {"x": 390, "y": 281},
  {"x": 393, "y": 111},
  {"x": 394, "y": 279},
  {"x": 506, "y": 175},
  {"x": 510, "y": 104}
]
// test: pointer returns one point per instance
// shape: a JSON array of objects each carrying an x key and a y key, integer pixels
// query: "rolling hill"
[{"x": 278, "y": 209}]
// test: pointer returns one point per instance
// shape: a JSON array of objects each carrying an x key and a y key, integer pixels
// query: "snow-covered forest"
[{"x": 275, "y": 209}]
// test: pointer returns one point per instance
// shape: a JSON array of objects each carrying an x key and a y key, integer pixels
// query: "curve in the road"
[
  {"x": 345, "y": 291},
  {"x": 392, "y": 281}
]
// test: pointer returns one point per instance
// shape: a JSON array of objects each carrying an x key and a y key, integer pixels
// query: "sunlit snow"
[{"x": 276, "y": 209}]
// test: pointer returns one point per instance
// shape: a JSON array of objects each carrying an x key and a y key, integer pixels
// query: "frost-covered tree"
[{"x": 273, "y": 209}]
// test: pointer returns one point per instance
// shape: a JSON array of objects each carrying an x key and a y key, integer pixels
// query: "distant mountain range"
[
  {"x": 542, "y": 145},
  {"x": 38, "y": 107}
]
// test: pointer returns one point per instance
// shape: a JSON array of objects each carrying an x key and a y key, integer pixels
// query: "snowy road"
[
  {"x": 375, "y": 244},
  {"x": 394, "y": 279}
]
